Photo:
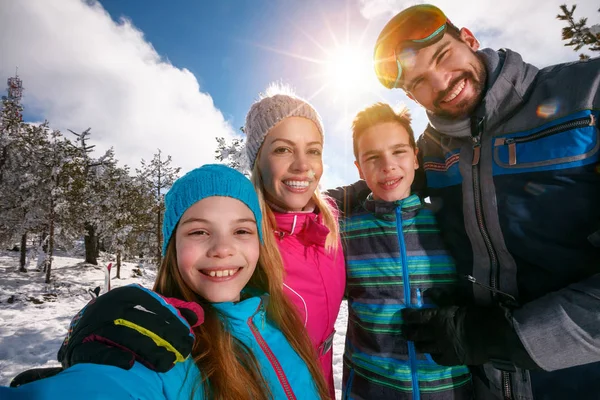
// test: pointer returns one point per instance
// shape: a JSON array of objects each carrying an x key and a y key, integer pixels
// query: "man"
[{"x": 511, "y": 161}]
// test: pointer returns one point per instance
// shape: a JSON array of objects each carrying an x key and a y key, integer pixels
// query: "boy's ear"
[
  {"x": 360, "y": 174},
  {"x": 416, "y": 158}
]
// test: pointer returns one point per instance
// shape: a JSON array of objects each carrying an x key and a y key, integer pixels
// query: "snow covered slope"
[{"x": 34, "y": 317}]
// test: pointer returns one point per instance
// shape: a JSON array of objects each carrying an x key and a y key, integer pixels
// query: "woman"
[{"x": 284, "y": 147}]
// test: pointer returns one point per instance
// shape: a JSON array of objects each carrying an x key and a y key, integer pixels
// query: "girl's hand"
[{"x": 131, "y": 324}]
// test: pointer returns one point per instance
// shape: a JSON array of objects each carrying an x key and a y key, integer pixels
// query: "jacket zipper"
[
  {"x": 269, "y": 353},
  {"x": 512, "y": 142},
  {"x": 476, "y": 131},
  {"x": 412, "y": 353},
  {"x": 509, "y": 300}
]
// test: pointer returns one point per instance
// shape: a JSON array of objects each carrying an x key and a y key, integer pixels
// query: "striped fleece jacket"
[{"x": 394, "y": 252}]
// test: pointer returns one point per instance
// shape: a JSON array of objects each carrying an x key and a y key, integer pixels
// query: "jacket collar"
[
  {"x": 307, "y": 227},
  {"x": 244, "y": 309},
  {"x": 386, "y": 209},
  {"x": 508, "y": 80}
]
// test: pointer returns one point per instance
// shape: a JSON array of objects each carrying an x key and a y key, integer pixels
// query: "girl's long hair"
[
  {"x": 322, "y": 203},
  {"x": 228, "y": 368}
]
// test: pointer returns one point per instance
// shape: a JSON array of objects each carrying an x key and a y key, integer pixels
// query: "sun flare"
[
  {"x": 341, "y": 71},
  {"x": 349, "y": 70}
]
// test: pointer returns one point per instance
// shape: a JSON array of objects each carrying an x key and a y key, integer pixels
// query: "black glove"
[
  {"x": 465, "y": 335},
  {"x": 131, "y": 324},
  {"x": 452, "y": 295}
]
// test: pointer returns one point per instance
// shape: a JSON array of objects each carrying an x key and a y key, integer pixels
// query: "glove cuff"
[{"x": 499, "y": 340}]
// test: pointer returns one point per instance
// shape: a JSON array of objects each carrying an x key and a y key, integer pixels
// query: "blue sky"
[
  {"x": 148, "y": 74},
  {"x": 237, "y": 48},
  {"x": 230, "y": 46}
]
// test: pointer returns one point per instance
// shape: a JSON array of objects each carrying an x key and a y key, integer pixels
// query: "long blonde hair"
[
  {"x": 322, "y": 203},
  {"x": 229, "y": 369}
]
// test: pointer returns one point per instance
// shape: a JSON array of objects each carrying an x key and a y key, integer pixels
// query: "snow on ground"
[
  {"x": 31, "y": 333},
  {"x": 338, "y": 347}
]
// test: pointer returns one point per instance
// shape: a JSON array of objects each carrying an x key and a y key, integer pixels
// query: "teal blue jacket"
[{"x": 283, "y": 369}]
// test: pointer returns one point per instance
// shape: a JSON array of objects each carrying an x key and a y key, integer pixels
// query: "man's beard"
[{"x": 467, "y": 106}]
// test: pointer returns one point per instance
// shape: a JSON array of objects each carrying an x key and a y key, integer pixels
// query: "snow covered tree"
[
  {"x": 22, "y": 198},
  {"x": 232, "y": 154},
  {"x": 21, "y": 207},
  {"x": 11, "y": 118},
  {"x": 128, "y": 214},
  {"x": 578, "y": 33},
  {"x": 86, "y": 192},
  {"x": 57, "y": 165},
  {"x": 158, "y": 176}
]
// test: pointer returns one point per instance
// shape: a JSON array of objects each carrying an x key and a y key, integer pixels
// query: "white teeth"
[
  {"x": 299, "y": 184},
  {"x": 222, "y": 273},
  {"x": 457, "y": 89},
  {"x": 390, "y": 183}
]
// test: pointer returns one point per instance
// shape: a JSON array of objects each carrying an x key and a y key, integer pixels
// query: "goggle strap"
[{"x": 434, "y": 34}]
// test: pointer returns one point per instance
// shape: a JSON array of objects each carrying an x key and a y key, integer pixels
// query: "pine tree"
[
  {"x": 578, "y": 33},
  {"x": 11, "y": 119},
  {"x": 232, "y": 154},
  {"x": 18, "y": 188},
  {"x": 86, "y": 192},
  {"x": 57, "y": 166},
  {"x": 128, "y": 213},
  {"x": 22, "y": 146},
  {"x": 158, "y": 176}
]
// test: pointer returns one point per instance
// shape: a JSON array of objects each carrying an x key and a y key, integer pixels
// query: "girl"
[
  {"x": 251, "y": 344},
  {"x": 284, "y": 147}
]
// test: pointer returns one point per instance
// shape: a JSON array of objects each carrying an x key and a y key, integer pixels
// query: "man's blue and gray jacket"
[{"x": 517, "y": 193}]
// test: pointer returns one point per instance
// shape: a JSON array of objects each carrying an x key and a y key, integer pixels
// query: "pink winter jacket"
[{"x": 314, "y": 280}]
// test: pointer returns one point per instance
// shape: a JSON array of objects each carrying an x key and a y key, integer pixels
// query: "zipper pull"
[
  {"x": 262, "y": 315},
  {"x": 476, "y": 131},
  {"x": 476, "y": 150},
  {"x": 592, "y": 120},
  {"x": 419, "y": 298},
  {"x": 512, "y": 151},
  {"x": 510, "y": 300}
]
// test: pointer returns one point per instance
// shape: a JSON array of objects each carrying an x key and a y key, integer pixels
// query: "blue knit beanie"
[{"x": 207, "y": 181}]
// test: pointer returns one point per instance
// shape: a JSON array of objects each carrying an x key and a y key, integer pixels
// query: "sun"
[
  {"x": 344, "y": 73},
  {"x": 349, "y": 70}
]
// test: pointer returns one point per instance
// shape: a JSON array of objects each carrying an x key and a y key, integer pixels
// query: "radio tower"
[{"x": 12, "y": 110}]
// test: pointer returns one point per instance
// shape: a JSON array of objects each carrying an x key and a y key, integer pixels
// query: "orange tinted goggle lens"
[
  {"x": 413, "y": 27},
  {"x": 385, "y": 67}
]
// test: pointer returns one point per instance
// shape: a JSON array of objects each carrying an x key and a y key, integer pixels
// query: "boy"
[{"x": 394, "y": 253}]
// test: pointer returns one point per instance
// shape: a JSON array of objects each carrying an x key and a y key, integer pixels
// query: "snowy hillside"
[{"x": 34, "y": 317}]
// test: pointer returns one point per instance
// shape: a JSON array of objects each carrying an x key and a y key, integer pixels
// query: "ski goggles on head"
[{"x": 414, "y": 28}]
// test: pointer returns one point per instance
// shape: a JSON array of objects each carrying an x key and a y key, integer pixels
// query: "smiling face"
[
  {"x": 447, "y": 78},
  {"x": 217, "y": 247},
  {"x": 290, "y": 163},
  {"x": 387, "y": 161}
]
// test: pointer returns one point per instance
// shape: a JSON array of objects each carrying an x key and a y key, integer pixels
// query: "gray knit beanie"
[{"x": 267, "y": 112}]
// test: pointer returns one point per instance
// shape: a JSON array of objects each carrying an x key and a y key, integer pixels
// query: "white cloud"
[
  {"x": 81, "y": 69},
  {"x": 529, "y": 27}
]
